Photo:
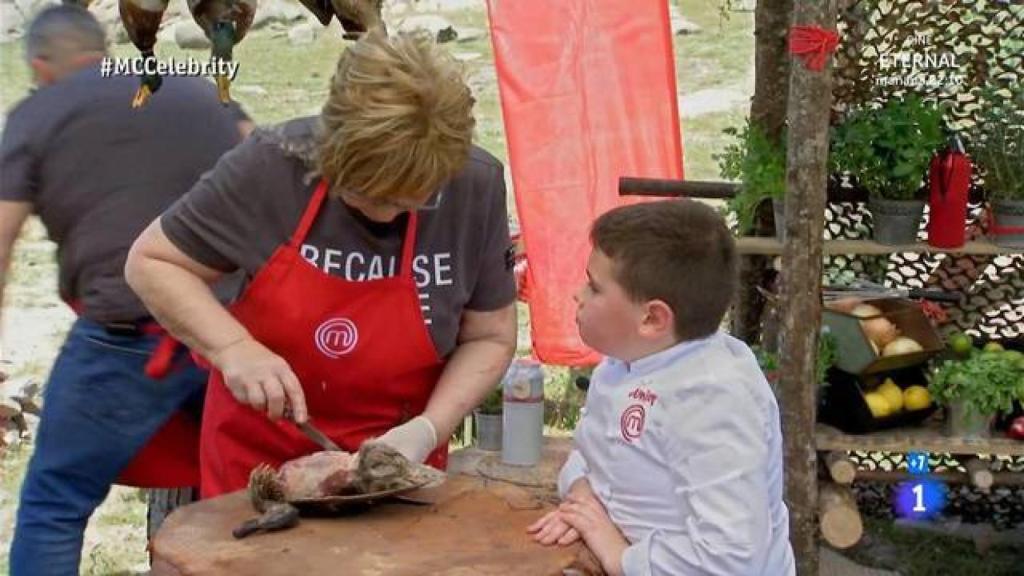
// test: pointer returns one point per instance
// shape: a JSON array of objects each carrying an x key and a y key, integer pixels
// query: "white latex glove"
[{"x": 415, "y": 439}]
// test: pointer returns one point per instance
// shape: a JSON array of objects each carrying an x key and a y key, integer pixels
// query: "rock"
[
  {"x": 302, "y": 34},
  {"x": 12, "y": 21},
  {"x": 468, "y": 34},
  {"x": 189, "y": 36},
  {"x": 280, "y": 11},
  {"x": 466, "y": 56},
  {"x": 449, "y": 5},
  {"x": 439, "y": 27},
  {"x": 683, "y": 27},
  {"x": 250, "y": 89}
]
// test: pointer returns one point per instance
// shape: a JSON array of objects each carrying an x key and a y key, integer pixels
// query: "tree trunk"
[
  {"x": 810, "y": 99},
  {"x": 767, "y": 111}
]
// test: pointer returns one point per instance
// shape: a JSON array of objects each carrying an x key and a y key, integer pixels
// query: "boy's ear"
[{"x": 659, "y": 319}]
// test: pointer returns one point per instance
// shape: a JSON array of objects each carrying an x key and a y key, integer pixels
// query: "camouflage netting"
[{"x": 984, "y": 40}]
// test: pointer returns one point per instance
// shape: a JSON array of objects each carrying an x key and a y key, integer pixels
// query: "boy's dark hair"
[{"x": 677, "y": 251}]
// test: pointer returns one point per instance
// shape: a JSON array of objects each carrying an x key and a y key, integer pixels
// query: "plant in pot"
[
  {"x": 997, "y": 146},
  {"x": 759, "y": 164},
  {"x": 888, "y": 151},
  {"x": 977, "y": 388},
  {"x": 487, "y": 417}
]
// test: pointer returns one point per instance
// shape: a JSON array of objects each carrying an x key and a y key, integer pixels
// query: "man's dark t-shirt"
[
  {"x": 251, "y": 202},
  {"x": 98, "y": 172}
]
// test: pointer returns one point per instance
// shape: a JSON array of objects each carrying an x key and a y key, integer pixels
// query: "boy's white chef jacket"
[{"x": 684, "y": 449}]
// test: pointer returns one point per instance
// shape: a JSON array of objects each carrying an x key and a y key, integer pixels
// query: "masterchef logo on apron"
[{"x": 336, "y": 337}]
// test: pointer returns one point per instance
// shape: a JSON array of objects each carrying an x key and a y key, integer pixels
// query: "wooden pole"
[
  {"x": 767, "y": 112},
  {"x": 810, "y": 100}
]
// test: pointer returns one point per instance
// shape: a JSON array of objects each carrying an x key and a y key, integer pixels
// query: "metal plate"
[{"x": 423, "y": 477}]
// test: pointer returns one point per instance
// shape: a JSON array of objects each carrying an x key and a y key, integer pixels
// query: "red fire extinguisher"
[{"x": 950, "y": 179}]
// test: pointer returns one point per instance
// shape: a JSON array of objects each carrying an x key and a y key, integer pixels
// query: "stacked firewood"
[{"x": 19, "y": 409}]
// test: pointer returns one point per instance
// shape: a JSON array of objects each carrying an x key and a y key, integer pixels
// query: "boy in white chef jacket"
[{"x": 677, "y": 467}]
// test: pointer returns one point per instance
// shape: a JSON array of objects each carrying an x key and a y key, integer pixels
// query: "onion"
[
  {"x": 880, "y": 331},
  {"x": 865, "y": 311},
  {"x": 843, "y": 304},
  {"x": 900, "y": 346}
]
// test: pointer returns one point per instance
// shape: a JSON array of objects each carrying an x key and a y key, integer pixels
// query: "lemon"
[
  {"x": 961, "y": 344},
  {"x": 893, "y": 395},
  {"x": 993, "y": 347},
  {"x": 878, "y": 405},
  {"x": 916, "y": 398}
]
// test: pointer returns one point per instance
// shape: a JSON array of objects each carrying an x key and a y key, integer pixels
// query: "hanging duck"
[
  {"x": 141, "y": 19},
  {"x": 355, "y": 16},
  {"x": 225, "y": 23}
]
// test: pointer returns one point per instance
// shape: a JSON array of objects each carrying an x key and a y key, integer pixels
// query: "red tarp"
[{"x": 588, "y": 94}]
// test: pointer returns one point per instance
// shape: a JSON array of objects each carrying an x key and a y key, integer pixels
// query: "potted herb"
[
  {"x": 759, "y": 164},
  {"x": 998, "y": 149},
  {"x": 487, "y": 417},
  {"x": 888, "y": 151},
  {"x": 978, "y": 387}
]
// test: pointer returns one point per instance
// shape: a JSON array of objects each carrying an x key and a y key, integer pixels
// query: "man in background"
[{"x": 96, "y": 172}]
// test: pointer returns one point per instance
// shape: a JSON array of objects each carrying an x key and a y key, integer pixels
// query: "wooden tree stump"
[
  {"x": 841, "y": 525},
  {"x": 841, "y": 468}
]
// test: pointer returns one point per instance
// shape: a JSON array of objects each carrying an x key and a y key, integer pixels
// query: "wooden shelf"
[
  {"x": 770, "y": 247},
  {"x": 924, "y": 438}
]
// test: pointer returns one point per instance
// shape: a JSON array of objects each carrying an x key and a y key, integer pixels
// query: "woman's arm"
[
  {"x": 486, "y": 345},
  {"x": 176, "y": 289}
]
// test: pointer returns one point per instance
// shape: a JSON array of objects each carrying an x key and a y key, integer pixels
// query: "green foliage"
[
  {"x": 888, "y": 149},
  {"x": 988, "y": 382},
  {"x": 759, "y": 164},
  {"x": 997, "y": 143},
  {"x": 769, "y": 361},
  {"x": 492, "y": 403}
]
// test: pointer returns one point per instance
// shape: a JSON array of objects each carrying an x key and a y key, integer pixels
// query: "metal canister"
[{"x": 523, "y": 409}]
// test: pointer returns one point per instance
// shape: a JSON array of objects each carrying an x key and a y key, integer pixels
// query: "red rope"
[{"x": 813, "y": 44}]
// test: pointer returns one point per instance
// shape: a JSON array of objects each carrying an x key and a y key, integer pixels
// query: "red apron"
[{"x": 360, "y": 349}]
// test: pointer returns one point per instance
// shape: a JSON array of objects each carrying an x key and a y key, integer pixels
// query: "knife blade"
[{"x": 317, "y": 436}]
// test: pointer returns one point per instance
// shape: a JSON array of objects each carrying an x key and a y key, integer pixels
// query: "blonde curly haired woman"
[{"x": 380, "y": 299}]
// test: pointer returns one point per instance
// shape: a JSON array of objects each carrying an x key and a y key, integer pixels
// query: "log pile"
[{"x": 19, "y": 409}]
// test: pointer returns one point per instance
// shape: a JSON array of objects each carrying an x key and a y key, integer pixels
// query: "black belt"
[{"x": 135, "y": 328}]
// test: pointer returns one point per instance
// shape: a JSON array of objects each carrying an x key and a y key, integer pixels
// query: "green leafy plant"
[
  {"x": 826, "y": 358},
  {"x": 492, "y": 403},
  {"x": 759, "y": 164},
  {"x": 988, "y": 382},
  {"x": 997, "y": 143},
  {"x": 888, "y": 149}
]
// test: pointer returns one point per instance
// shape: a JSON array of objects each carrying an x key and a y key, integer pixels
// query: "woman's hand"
[
  {"x": 589, "y": 517},
  {"x": 261, "y": 379},
  {"x": 553, "y": 529}
]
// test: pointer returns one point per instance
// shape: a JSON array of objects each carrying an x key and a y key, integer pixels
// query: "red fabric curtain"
[{"x": 588, "y": 94}]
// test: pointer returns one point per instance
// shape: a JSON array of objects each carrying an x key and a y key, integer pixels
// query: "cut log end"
[{"x": 841, "y": 524}]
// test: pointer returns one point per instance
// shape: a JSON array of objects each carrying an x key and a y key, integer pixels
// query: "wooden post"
[
  {"x": 841, "y": 525},
  {"x": 810, "y": 100},
  {"x": 768, "y": 112}
]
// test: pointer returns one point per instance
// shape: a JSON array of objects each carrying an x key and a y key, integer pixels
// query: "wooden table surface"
[{"x": 472, "y": 526}]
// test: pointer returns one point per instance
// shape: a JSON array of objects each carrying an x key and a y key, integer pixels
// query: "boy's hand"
[
  {"x": 552, "y": 529},
  {"x": 604, "y": 539}
]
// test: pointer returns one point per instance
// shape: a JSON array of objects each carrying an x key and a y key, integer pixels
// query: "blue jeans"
[{"x": 99, "y": 409}]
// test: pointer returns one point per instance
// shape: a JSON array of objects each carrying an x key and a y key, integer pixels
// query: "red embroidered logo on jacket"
[
  {"x": 336, "y": 337},
  {"x": 644, "y": 395},
  {"x": 632, "y": 422}
]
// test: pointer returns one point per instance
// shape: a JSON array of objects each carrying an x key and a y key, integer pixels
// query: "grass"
[{"x": 918, "y": 553}]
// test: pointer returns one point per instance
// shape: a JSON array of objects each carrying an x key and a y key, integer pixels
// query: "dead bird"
[
  {"x": 356, "y": 16},
  {"x": 225, "y": 23},
  {"x": 278, "y": 516},
  {"x": 323, "y": 480},
  {"x": 141, "y": 19}
]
